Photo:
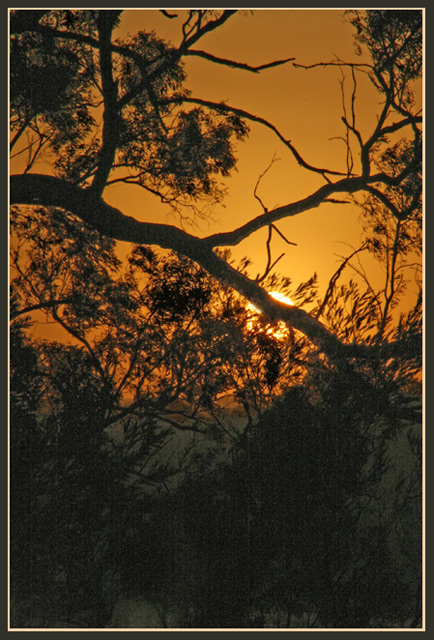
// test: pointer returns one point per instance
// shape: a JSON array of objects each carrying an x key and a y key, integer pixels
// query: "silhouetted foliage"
[
  {"x": 158, "y": 349},
  {"x": 287, "y": 525},
  {"x": 249, "y": 469}
]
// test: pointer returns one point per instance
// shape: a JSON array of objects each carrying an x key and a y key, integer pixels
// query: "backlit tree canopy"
[
  {"x": 92, "y": 110},
  {"x": 179, "y": 433}
]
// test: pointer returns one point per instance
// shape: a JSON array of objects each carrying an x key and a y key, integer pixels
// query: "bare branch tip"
[{"x": 167, "y": 14}]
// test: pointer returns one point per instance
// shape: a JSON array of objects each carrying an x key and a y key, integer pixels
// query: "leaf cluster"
[
  {"x": 50, "y": 84},
  {"x": 394, "y": 40},
  {"x": 154, "y": 330},
  {"x": 56, "y": 95}
]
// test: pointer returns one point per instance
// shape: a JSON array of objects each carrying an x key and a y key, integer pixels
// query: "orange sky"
[{"x": 306, "y": 105}]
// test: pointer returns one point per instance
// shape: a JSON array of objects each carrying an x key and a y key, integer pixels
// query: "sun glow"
[
  {"x": 279, "y": 330},
  {"x": 281, "y": 297}
]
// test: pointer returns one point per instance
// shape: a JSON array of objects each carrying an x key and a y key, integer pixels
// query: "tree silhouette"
[
  {"x": 148, "y": 137},
  {"x": 157, "y": 349},
  {"x": 251, "y": 465},
  {"x": 297, "y": 528}
]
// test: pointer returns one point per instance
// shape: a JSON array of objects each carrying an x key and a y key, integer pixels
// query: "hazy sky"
[{"x": 305, "y": 105}]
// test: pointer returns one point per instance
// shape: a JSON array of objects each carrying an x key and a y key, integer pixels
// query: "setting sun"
[
  {"x": 281, "y": 297},
  {"x": 280, "y": 330},
  {"x": 186, "y": 451}
]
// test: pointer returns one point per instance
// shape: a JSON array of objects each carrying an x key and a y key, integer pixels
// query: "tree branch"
[
  {"x": 201, "y": 31},
  {"x": 110, "y": 116},
  {"x": 233, "y": 64},
  {"x": 50, "y": 191},
  {"x": 36, "y": 307},
  {"x": 167, "y": 14},
  {"x": 334, "y": 63},
  {"x": 224, "y": 108},
  {"x": 320, "y": 196},
  {"x": 43, "y": 190},
  {"x": 395, "y": 126}
]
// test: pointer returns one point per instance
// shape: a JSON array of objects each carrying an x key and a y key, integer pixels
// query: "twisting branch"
[
  {"x": 167, "y": 14},
  {"x": 51, "y": 191},
  {"x": 200, "y": 30},
  {"x": 353, "y": 97},
  {"x": 282, "y": 236},
  {"x": 224, "y": 108},
  {"x": 233, "y": 64},
  {"x": 255, "y": 192},
  {"x": 352, "y": 127}
]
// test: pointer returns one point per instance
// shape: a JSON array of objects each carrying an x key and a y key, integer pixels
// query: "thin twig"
[
  {"x": 282, "y": 236},
  {"x": 255, "y": 192},
  {"x": 334, "y": 279},
  {"x": 335, "y": 63}
]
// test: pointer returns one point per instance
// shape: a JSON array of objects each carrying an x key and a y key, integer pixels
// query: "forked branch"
[{"x": 110, "y": 222}]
